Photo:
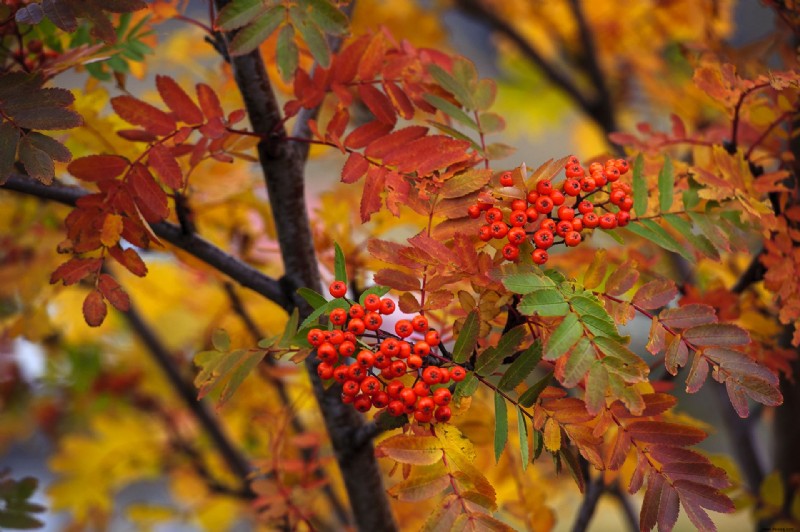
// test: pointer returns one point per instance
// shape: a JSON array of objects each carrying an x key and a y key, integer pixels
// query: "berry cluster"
[
  {"x": 549, "y": 212},
  {"x": 372, "y": 364}
]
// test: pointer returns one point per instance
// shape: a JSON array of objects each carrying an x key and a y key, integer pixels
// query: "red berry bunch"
[
  {"x": 380, "y": 369},
  {"x": 551, "y": 215}
]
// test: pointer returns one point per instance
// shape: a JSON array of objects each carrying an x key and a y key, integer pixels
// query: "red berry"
[
  {"x": 442, "y": 396},
  {"x": 394, "y": 388},
  {"x": 622, "y": 166},
  {"x": 591, "y": 220},
  {"x": 373, "y": 321},
  {"x": 572, "y": 187},
  {"x": 405, "y": 350},
  {"x": 626, "y": 204},
  {"x": 426, "y": 405},
  {"x": 419, "y": 323},
  {"x": 398, "y": 368},
  {"x": 623, "y": 218},
  {"x": 362, "y": 403},
  {"x": 315, "y": 337},
  {"x": 403, "y": 328},
  {"x": 423, "y": 417},
  {"x": 443, "y": 414},
  {"x": 493, "y": 215},
  {"x": 356, "y": 326},
  {"x": 338, "y": 316},
  {"x": 566, "y": 213},
  {"x": 532, "y": 197},
  {"x": 432, "y": 337},
  {"x": 544, "y": 204},
  {"x": 458, "y": 374},
  {"x": 338, "y": 289},
  {"x": 519, "y": 205},
  {"x": 572, "y": 159},
  {"x": 382, "y": 360},
  {"x": 431, "y": 375},
  {"x": 414, "y": 361},
  {"x": 544, "y": 187},
  {"x": 371, "y": 385},
  {"x": 336, "y": 337},
  {"x": 422, "y": 389},
  {"x": 510, "y": 252},
  {"x": 563, "y": 227},
  {"x": 516, "y": 235},
  {"x": 585, "y": 207},
  {"x": 396, "y": 408},
  {"x": 445, "y": 375},
  {"x": 499, "y": 229},
  {"x": 608, "y": 221},
  {"x": 325, "y": 371},
  {"x": 518, "y": 218},
  {"x": 506, "y": 180},
  {"x": 616, "y": 196},
  {"x": 340, "y": 374},
  {"x": 548, "y": 224},
  {"x": 543, "y": 238},
  {"x": 422, "y": 348},
  {"x": 588, "y": 184},
  {"x": 574, "y": 170},
  {"x": 356, "y": 311},
  {"x": 391, "y": 347},
  {"x": 350, "y": 387},
  {"x": 577, "y": 224},
  {"x": 557, "y": 197},
  {"x": 573, "y": 238},
  {"x": 485, "y": 233},
  {"x": 539, "y": 256},
  {"x": 531, "y": 213},
  {"x": 474, "y": 211},
  {"x": 327, "y": 353},
  {"x": 380, "y": 400},
  {"x": 387, "y": 306},
  {"x": 372, "y": 302},
  {"x": 366, "y": 358},
  {"x": 408, "y": 397},
  {"x": 356, "y": 372},
  {"x": 346, "y": 349}
]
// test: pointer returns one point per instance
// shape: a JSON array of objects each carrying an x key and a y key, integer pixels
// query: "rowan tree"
[{"x": 455, "y": 336}]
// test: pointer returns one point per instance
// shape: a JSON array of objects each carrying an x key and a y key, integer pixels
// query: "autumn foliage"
[{"x": 481, "y": 328}]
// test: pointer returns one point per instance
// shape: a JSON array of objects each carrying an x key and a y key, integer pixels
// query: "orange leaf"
[
  {"x": 397, "y": 279},
  {"x": 209, "y": 102},
  {"x": 111, "y": 231},
  {"x": 552, "y": 435},
  {"x": 166, "y": 166},
  {"x": 385, "y": 145},
  {"x": 655, "y": 294},
  {"x": 378, "y": 103},
  {"x": 717, "y": 334},
  {"x": 130, "y": 259},
  {"x": 94, "y": 308},
  {"x": 139, "y": 113},
  {"x": 178, "y": 101},
  {"x": 414, "y": 450},
  {"x": 399, "y": 99},
  {"x": 98, "y": 167},
  {"x": 661, "y": 432},
  {"x": 371, "y": 197},
  {"x": 148, "y": 195},
  {"x": 689, "y": 315},
  {"x": 354, "y": 168},
  {"x": 75, "y": 269},
  {"x": 113, "y": 292},
  {"x": 363, "y": 135},
  {"x": 430, "y": 153}
]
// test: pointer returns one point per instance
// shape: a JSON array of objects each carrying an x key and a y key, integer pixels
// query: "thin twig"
[{"x": 589, "y": 504}]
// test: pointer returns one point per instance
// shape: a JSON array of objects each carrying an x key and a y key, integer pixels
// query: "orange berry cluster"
[
  {"x": 369, "y": 362},
  {"x": 548, "y": 212}
]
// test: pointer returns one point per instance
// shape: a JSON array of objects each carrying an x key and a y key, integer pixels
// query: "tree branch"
[
  {"x": 282, "y": 163},
  {"x": 627, "y": 508},
  {"x": 202, "y": 249},
  {"x": 237, "y": 463},
  {"x": 590, "y": 499}
]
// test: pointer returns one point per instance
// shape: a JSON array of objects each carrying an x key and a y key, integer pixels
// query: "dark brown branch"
[
  {"x": 237, "y": 463},
  {"x": 283, "y": 166},
  {"x": 627, "y": 508},
  {"x": 594, "y": 490},
  {"x": 244, "y": 274}
]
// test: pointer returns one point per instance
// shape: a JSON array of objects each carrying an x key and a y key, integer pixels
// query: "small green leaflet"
[
  {"x": 655, "y": 233},
  {"x": 594, "y": 317},
  {"x": 529, "y": 397},
  {"x": 545, "y": 302},
  {"x": 500, "y": 425},
  {"x": 521, "y": 367},
  {"x": 466, "y": 387},
  {"x": 326, "y": 308},
  {"x": 522, "y": 429},
  {"x": 525, "y": 283},
  {"x": 699, "y": 242},
  {"x": 220, "y": 340},
  {"x": 467, "y": 338},
  {"x": 451, "y": 110},
  {"x": 312, "y": 297},
  {"x": 228, "y": 369},
  {"x": 291, "y": 329},
  {"x": 639, "y": 186},
  {"x": 666, "y": 184},
  {"x": 492, "y": 358},
  {"x": 452, "y": 85},
  {"x": 339, "y": 265},
  {"x": 286, "y": 55},
  {"x": 250, "y": 37},
  {"x": 564, "y": 337}
]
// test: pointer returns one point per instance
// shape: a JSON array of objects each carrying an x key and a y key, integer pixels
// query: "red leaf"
[
  {"x": 397, "y": 279},
  {"x": 94, "y": 309},
  {"x": 432, "y": 247},
  {"x": 130, "y": 259},
  {"x": 346, "y": 63},
  {"x": 676, "y": 356},
  {"x": 382, "y": 146},
  {"x": 209, "y": 102},
  {"x": 373, "y": 57},
  {"x": 98, "y": 167},
  {"x": 698, "y": 374},
  {"x": 378, "y": 103},
  {"x": 430, "y": 153},
  {"x": 371, "y": 197},
  {"x": 178, "y": 101},
  {"x": 148, "y": 195},
  {"x": 622, "y": 279},
  {"x": 655, "y": 294},
  {"x": 657, "y": 403},
  {"x": 706, "y": 474},
  {"x": 704, "y": 496},
  {"x": 399, "y": 99},
  {"x": 739, "y": 365},
  {"x": 689, "y": 315},
  {"x": 75, "y": 269},
  {"x": 354, "y": 168},
  {"x": 113, "y": 292},
  {"x": 166, "y": 166},
  {"x": 363, "y": 135},
  {"x": 717, "y": 334},
  {"x": 139, "y": 113},
  {"x": 661, "y": 432},
  {"x": 136, "y": 135}
]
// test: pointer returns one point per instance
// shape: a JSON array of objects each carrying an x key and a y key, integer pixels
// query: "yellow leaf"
[
  {"x": 414, "y": 450},
  {"x": 422, "y": 486},
  {"x": 552, "y": 435},
  {"x": 772, "y": 491},
  {"x": 112, "y": 229}
]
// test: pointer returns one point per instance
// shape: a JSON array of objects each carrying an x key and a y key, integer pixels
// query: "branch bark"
[{"x": 282, "y": 163}]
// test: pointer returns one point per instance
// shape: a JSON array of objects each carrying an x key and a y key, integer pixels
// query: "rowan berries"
[
  {"x": 458, "y": 374},
  {"x": 366, "y": 358},
  {"x": 485, "y": 233},
  {"x": 539, "y": 256},
  {"x": 372, "y": 302},
  {"x": 387, "y": 306},
  {"x": 338, "y": 289},
  {"x": 544, "y": 187},
  {"x": 623, "y": 218},
  {"x": 572, "y": 187},
  {"x": 544, "y": 204},
  {"x": 350, "y": 387},
  {"x": 380, "y": 400},
  {"x": 566, "y": 213},
  {"x": 356, "y": 311},
  {"x": 396, "y": 408},
  {"x": 414, "y": 361},
  {"x": 370, "y": 385},
  {"x": 498, "y": 229},
  {"x": 474, "y": 211},
  {"x": 557, "y": 197},
  {"x": 573, "y": 238},
  {"x": 419, "y": 323},
  {"x": 543, "y": 238},
  {"x": 493, "y": 215},
  {"x": 403, "y": 328},
  {"x": 518, "y": 218},
  {"x": 506, "y": 179},
  {"x": 431, "y": 375},
  {"x": 325, "y": 370},
  {"x": 422, "y": 389},
  {"x": 608, "y": 221},
  {"x": 373, "y": 321},
  {"x": 510, "y": 252},
  {"x": 585, "y": 207},
  {"x": 362, "y": 403},
  {"x": 591, "y": 220},
  {"x": 346, "y": 349},
  {"x": 426, "y": 405},
  {"x": 327, "y": 353},
  {"x": 443, "y": 414},
  {"x": 338, "y": 316},
  {"x": 315, "y": 337},
  {"x": 432, "y": 337},
  {"x": 519, "y": 205},
  {"x": 442, "y": 396},
  {"x": 516, "y": 236},
  {"x": 356, "y": 326}
]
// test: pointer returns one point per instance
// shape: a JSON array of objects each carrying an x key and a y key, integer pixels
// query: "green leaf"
[
  {"x": 621, "y": 360},
  {"x": 699, "y": 242},
  {"x": 312, "y": 297},
  {"x": 522, "y": 429},
  {"x": 286, "y": 51},
  {"x": 220, "y": 340},
  {"x": 311, "y": 34},
  {"x": 250, "y": 37},
  {"x": 595, "y": 317},
  {"x": 519, "y": 370},
  {"x": 525, "y": 283},
  {"x": 655, "y": 233},
  {"x": 378, "y": 290},
  {"x": 666, "y": 185},
  {"x": 328, "y": 17},
  {"x": 493, "y": 357},
  {"x": 613, "y": 235},
  {"x": 500, "y": 426},
  {"x": 291, "y": 329},
  {"x": 226, "y": 369},
  {"x": 466, "y": 387},
  {"x": 467, "y": 338},
  {"x": 452, "y": 85},
  {"x": 596, "y": 386},
  {"x": 18, "y": 521},
  {"x": 326, "y": 308},
  {"x": 538, "y": 444},
  {"x": 545, "y": 302},
  {"x": 491, "y": 123},
  {"x": 564, "y": 337},
  {"x": 238, "y": 13},
  {"x": 529, "y": 397},
  {"x": 639, "y": 186},
  {"x": 484, "y": 95},
  {"x": 580, "y": 360},
  {"x": 451, "y": 110},
  {"x": 339, "y": 264}
]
